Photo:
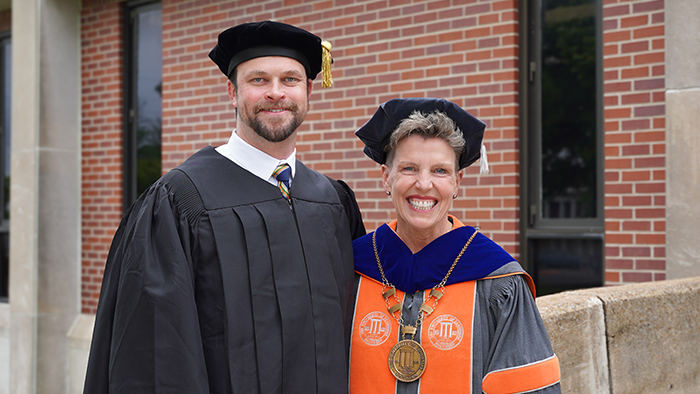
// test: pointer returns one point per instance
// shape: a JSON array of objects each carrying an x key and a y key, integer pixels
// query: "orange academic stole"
[{"x": 446, "y": 336}]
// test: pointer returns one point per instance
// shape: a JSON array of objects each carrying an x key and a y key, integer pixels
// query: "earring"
[
  {"x": 454, "y": 195},
  {"x": 388, "y": 193}
]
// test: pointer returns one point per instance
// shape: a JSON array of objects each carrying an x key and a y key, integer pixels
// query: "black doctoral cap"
[
  {"x": 376, "y": 132},
  {"x": 247, "y": 41}
]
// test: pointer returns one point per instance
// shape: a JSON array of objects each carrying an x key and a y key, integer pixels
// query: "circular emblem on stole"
[
  {"x": 446, "y": 332},
  {"x": 375, "y": 328}
]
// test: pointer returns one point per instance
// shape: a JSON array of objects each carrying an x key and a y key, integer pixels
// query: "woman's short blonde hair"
[{"x": 433, "y": 125}]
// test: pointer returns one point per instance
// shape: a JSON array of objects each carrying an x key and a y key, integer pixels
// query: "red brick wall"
[
  {"x": 635, "y": 174},
  {"x": 196, "y": 108},
  {"x": 101, "y": 68},
  {"x": 463, "y": 50}
]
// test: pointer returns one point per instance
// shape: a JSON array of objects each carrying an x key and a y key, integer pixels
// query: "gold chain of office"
[
  {"x": 389, "y": 290},
  {"x": 407, "y": 359}
]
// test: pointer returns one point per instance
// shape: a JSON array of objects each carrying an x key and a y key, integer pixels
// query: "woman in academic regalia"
[{"x": 441, "y": 308}]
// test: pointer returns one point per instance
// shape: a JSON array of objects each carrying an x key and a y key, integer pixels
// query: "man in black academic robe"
[{"x": 218, "y": 283}]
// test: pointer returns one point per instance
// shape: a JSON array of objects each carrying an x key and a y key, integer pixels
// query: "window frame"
[
  {"x": 4, "y": 149},
  {"x": 532, "y": 225},
  {"x": 130, "y": 108}
]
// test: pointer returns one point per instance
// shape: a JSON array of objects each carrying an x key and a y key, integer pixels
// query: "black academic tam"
[{"x": 214, "y": 285}]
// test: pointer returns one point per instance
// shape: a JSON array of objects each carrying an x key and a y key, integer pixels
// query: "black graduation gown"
[{"x": 214, "y": 283}]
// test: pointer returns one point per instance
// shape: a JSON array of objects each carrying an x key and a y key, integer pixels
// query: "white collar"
[{"x": 253, "y": 159}]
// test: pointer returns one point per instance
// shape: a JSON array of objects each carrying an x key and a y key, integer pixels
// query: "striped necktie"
[{"x": 283, "y": 174}]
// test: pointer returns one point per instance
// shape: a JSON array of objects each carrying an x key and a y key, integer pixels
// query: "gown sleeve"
[
  {"x": 146, "y": 337},
  {"x": 520, "y": 357},
  {"x": 352, "y": 210}
]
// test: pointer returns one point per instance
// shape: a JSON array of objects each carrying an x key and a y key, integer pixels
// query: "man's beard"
[{"x": 275, "y": 130}]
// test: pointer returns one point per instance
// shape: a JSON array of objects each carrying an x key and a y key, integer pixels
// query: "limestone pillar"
[
  {"x": 44, "y": 291},
  {"x": 682, "y": 138}
]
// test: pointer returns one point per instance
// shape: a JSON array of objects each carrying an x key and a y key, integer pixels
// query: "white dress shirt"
[{"x": 253, "y": 159}]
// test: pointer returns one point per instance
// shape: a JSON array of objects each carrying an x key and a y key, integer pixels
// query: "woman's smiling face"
[{"x": 422, "y": 179}]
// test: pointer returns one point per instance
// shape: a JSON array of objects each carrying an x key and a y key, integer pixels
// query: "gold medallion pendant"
[{"x": 407, "y": 360}]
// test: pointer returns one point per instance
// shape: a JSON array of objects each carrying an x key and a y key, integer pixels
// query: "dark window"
[
  {"x": 5, "y": 136},
  {"x": 142, "y": 142},
  {"x": 563, "y": 212}
]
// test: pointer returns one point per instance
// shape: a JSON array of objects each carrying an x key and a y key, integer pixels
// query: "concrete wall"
[
  {"x": 631, "y": 339},
  {"x": 641, "y": 338}
]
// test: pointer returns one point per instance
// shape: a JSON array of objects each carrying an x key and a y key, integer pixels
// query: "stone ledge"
[
  {"x": 640, "y": 338},
  {"x": 576, "y": 327},
  {"x": 79, "y": 339},
  {"x": 627, "y": 339}
]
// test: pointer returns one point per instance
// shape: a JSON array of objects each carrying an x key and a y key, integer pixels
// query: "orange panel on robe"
[{"x": 445, "y": 336}]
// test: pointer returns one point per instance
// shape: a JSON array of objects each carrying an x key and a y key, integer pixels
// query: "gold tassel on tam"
[{"x": 327, "y": 78}]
